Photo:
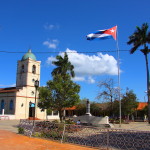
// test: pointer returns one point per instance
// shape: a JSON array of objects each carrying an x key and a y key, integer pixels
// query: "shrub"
[
  {"x": 55, "y": 121},
  {"x": 38, "y": 134},
  {"x": 69, "y": 121},
  {"x": 21, "y": 130}
]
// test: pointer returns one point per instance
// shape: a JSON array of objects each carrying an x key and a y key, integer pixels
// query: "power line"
[{"x": 108, "y": 51}]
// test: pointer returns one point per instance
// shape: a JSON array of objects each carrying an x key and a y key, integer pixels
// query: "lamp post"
[{"x": 36, "y": 84}]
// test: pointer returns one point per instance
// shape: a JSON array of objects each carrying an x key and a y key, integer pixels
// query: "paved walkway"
[
  {"x": 141, "y": 126},
  {"x": 9, "y": 125}
]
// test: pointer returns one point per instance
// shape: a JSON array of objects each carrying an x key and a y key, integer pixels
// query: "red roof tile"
[
  {"x": 141, "y": 105},
  {"x": 71, "y": 108},
  {"x": 8, "y": 90}
]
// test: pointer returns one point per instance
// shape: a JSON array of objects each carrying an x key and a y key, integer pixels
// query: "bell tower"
[{"x": 28, "y": 70}]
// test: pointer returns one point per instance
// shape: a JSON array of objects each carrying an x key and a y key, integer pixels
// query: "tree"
[
  {"x": 96, "y": 109},
  {"x": 45, "y": 95},
  {"x": 141, "y": 37},
  {"x": 64, "y": 66},
  {"x": 129, "y": 103},
  {"x": 116, "y": 108},
  {"x": 80, "y": 109},
  {"x": 59, "y": 94},
  {"x": 108, "y": 92}
]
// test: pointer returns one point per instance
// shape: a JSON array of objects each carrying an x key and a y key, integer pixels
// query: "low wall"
[
  {"x": 92, "y": 120},
  {"x": 7, "y": 117},
  {"x": 53, "y": 117}
]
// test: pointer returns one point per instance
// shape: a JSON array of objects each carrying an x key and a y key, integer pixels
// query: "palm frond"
[
  {"x": 133, "y": 49},
  {"x": 63, "y": 66},
  {"x": 148, "y": 37},
  {"x": 139, "y": 38}
]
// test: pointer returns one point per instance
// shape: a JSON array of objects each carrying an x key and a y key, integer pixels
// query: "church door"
[{"x": 31, "y": 109}]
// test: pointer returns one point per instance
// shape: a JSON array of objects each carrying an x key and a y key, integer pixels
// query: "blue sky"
[{"x": 55, "y": 26}]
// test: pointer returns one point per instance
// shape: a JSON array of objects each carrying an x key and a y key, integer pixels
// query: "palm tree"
[
  {"x": 141, "y": 37},
  {"x": 64, "y": 66}
]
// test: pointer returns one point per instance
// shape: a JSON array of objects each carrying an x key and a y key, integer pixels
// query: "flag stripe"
[{"x": 103, "y": 34}]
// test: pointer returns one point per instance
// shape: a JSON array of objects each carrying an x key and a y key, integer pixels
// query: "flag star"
[{"x": 112, "y": 30}]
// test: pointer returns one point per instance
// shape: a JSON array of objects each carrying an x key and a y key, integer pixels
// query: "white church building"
[{"x": 19, "y": 102}]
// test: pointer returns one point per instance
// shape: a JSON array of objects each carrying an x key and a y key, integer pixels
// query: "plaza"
[{"x": 8, "y": 130}]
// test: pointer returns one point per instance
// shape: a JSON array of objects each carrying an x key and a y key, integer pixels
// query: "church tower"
[
  {"x": 28, "y": 70},
  {"x": 21, "y": 101}
]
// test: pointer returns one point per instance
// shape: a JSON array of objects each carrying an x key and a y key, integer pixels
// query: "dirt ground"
[{"x": 13, "y": 141}]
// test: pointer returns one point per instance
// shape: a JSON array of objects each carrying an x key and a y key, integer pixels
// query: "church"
[{"x": 20, "y": 102}]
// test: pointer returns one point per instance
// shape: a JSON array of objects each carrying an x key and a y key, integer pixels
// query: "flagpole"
[
  {"x": 118, "y": 64},
  {"x": 110, "y": 32}
]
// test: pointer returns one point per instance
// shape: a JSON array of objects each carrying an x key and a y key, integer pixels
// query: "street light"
[{"x": 36, "y": 84}]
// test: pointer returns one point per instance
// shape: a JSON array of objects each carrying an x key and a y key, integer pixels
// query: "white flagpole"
[{"x": 118, "y": 64}]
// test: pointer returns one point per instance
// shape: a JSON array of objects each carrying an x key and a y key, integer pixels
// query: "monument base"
[{"x": 88, "y": 114}]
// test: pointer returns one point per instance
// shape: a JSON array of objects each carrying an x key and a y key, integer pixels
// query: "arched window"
[
  {"x": 11, "y": 105},
  {"x": 2, "y": 104},
  {"x": 22, "y": 68},
  {"x": 34, "y": 69}
]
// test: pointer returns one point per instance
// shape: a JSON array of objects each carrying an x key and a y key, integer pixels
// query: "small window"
[
  {"x": 22, "y": 68},
  {"x": 32, "y": 92},
  {"x": 34, "y": 69},
  {"x": 2, "y": 104},
  {"x": 11, "y": 105}
]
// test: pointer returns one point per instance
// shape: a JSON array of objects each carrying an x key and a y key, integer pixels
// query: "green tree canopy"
[
  {"x": 129, "y": 103},
  {"x": 63, "y": 66},
  {"x": 61, "y": 92}
]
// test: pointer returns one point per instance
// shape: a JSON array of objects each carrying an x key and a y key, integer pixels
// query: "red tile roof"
[
  {"x": 141, "y": 105},
  {"x": 8, "y": 90},
  {"x": 71, "y": 108}
]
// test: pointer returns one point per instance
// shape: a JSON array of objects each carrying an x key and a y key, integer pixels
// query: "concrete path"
[
  {"x": 9, "y": 125},
  {"x": 140, "y": 126}
]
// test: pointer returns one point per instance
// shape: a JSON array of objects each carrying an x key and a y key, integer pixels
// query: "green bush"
[
  {"x": 69, "y": 121},
  {"x": 52, "y": 134},
  {"x": 38, "y": 134},
  {"x": 55, "y": 121},
  {"x": 21, "y": 130}
]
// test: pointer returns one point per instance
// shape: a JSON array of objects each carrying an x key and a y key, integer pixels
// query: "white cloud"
[
  {"x": 51, "y": 43},
  {"x": 91, "y": 80},
  {"x": 48, "y": 26},
  {"x": 12, "y": 85},
  {"x": 78, "y": 79},
  {"x": 50, "y": 59},
  {"x": 88, "y": 66}
]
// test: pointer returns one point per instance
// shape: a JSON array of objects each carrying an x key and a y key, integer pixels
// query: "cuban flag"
[{"x": 103, "y": 34}]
